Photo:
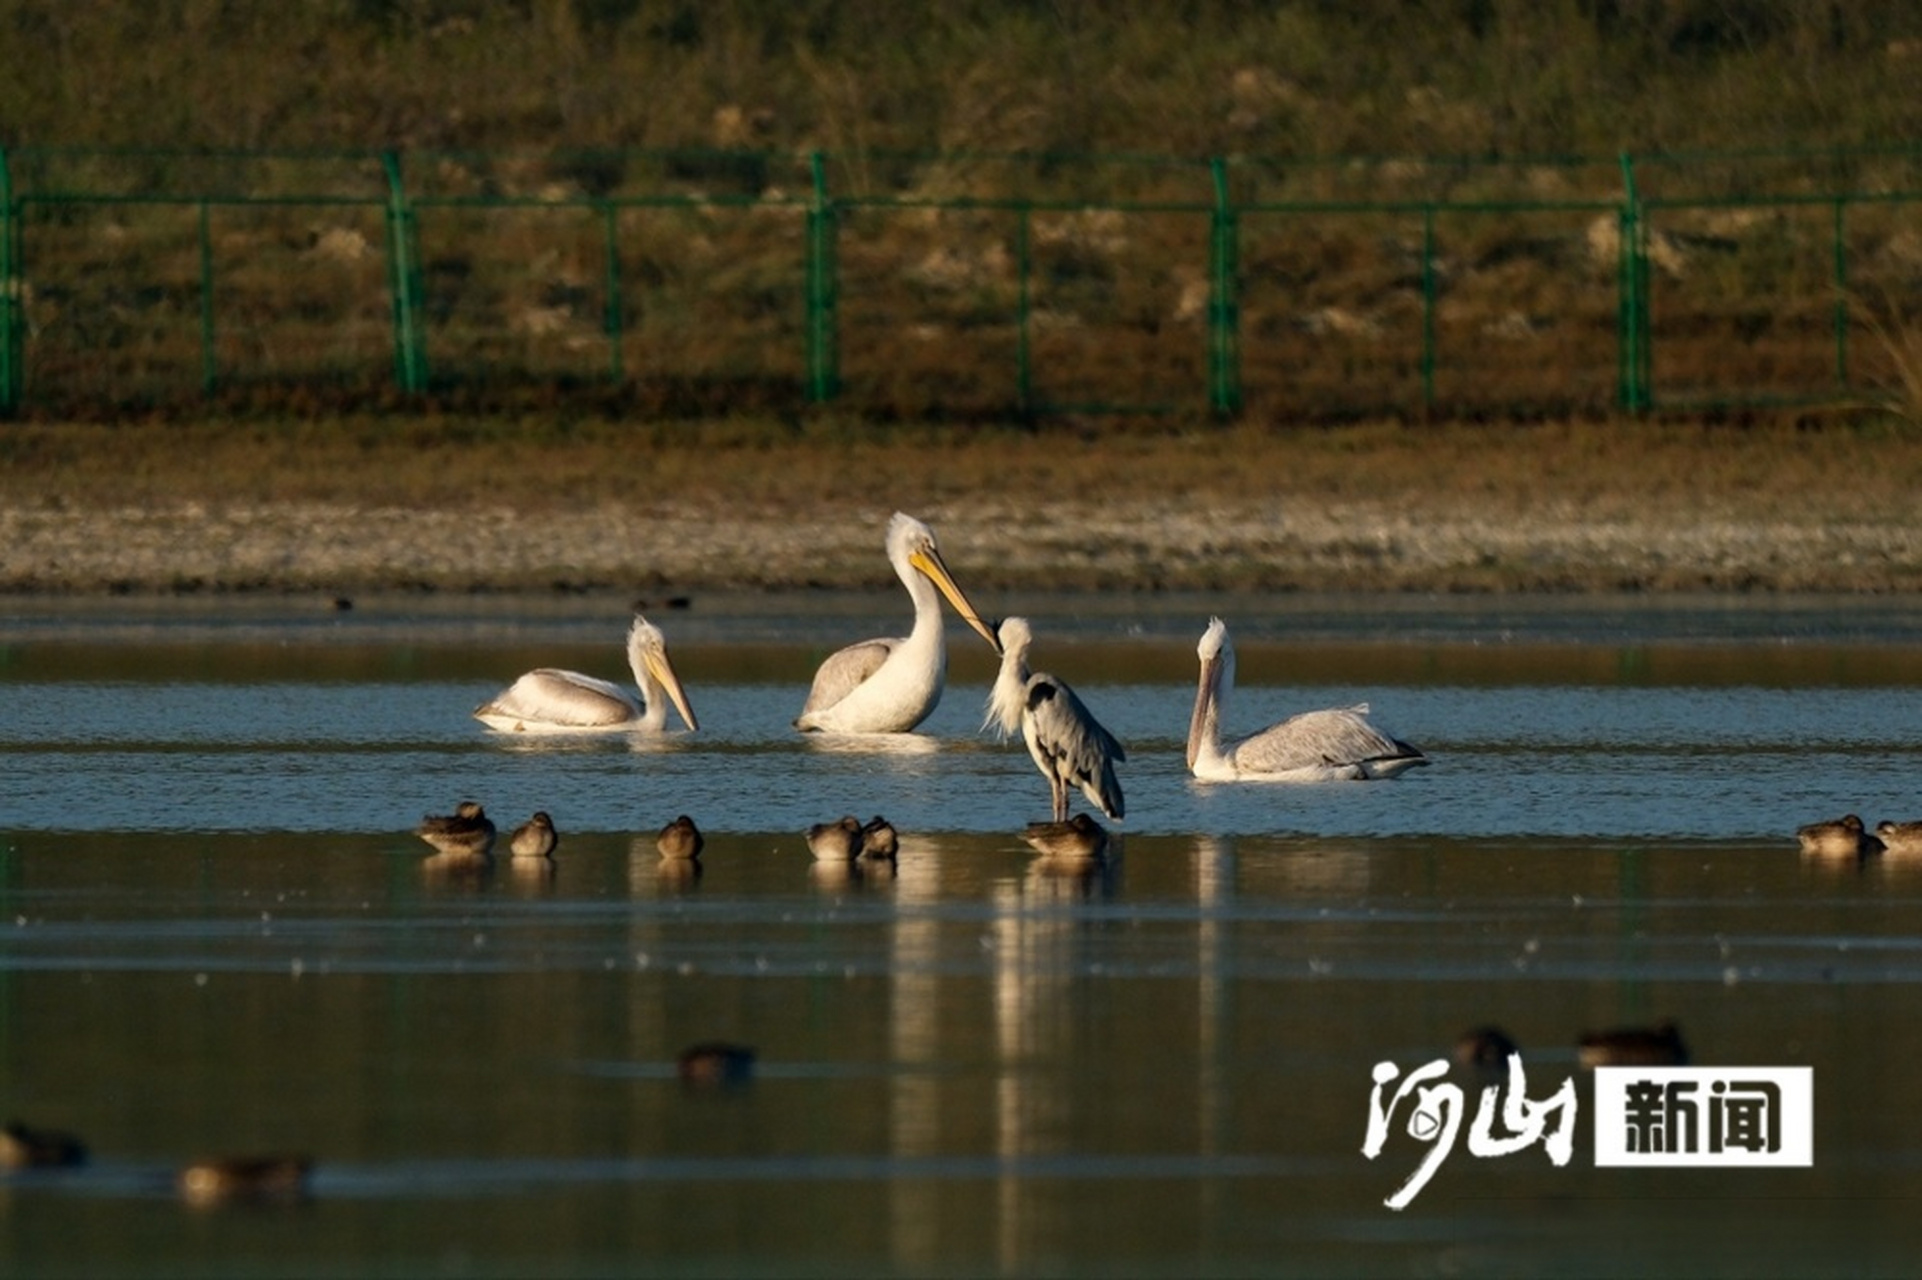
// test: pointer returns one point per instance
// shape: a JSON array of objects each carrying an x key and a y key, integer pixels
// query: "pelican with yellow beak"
[
  {"x": 892, "y": 684},
  {"x": 548, "y": 700}
]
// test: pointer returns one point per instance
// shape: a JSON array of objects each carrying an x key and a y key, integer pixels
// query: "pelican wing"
[
  {"x": 847, "y": 670},
  {"x": 1337, "y": 738},
  {"x": 565, "y": 699}
]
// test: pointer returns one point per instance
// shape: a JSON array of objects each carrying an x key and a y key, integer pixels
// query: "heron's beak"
[
  {"x": 1205, "y": 694},
  {"x": 929, "y": 562},
  {"x": 661, "y": 669}
]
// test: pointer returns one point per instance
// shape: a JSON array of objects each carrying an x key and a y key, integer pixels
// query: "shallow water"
[{"x": 218, "y": 933}]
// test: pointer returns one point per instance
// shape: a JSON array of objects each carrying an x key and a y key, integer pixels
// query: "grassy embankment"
[
  {"x": 1847, "y": 471},
  {"x": 1213, "y": 77},
  {"x": 1331, "y": 307},
  {"x": 1297, "y": 81}
]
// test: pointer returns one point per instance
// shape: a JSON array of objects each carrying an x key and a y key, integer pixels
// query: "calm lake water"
[{"x": 219, "y": 934}]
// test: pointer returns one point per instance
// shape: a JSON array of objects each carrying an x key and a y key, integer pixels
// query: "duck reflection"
[
  {"x": 536, "y": 875},
  {"x": 679, "y": 875},
  {"x": 461, "y": 870},
  {"x": 834, "y": 874}
]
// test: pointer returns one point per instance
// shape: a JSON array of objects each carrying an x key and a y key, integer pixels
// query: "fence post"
[
  {"x": 1841, "y": 298},
  {"x": 208, "y": 371},
  {"x": 1428, "y": 308},
  {"x": 410, "y": 359},
  {"x": 1224, "y": 303},
  {"x": 823, "y": 355},
  {"x": 1632, "y": 329},
  {"x": 611, "y": 320},
  {"x": 1023, "y": 302},
  {"x": 12, "y": 307}
]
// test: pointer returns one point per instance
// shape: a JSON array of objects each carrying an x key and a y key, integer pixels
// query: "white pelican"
[
  {"x": 680, "y": 839},
  {"x": 550, "y": 700},
  {"x": 535, "y": 838},
  {"x": 890, "y": 685},
  {"x": 1068, "y": 744},
  {"x": 1338, "y": 744},
  {"x": 466, "y": 832},
  {"x": 1900, "y": 837},
  {"x": 1844, "y": 837}
]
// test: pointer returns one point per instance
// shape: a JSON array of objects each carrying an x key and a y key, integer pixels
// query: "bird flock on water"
[{"x": 890, "y": 685}]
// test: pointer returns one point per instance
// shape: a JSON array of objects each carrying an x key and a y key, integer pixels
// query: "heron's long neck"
[{"x": 1010, "y": 693}]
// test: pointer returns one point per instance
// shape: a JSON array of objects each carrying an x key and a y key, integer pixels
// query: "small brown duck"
[
  {"x": 1900, "y": 837},
  {"x": 1484, "y": 1048},
  {"x": 1080, "y": 838},
  {"x": 716, "y": 1063},
  {"x": 228, "y": 1178},
  {"x": 1842, "y": 838},
  {"x": 681, "y": 839},
  {"x": 467, "y": 830},
  {"x": 24, "y": 1148},
  {"x": 1657, "y": 1046},
  {"x": 535, "y": 838},
  {"x": 879, "y": 839},
  {"x": 835, "y": 841}
]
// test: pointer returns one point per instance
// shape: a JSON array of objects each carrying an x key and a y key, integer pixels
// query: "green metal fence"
[{"x": 915, "y": 284}]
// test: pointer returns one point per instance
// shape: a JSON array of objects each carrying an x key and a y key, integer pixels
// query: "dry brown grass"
[{"x": 754, "y": 467}]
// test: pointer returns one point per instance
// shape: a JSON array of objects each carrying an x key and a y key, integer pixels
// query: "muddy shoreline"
[{"x": 1172, "y": 545}]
